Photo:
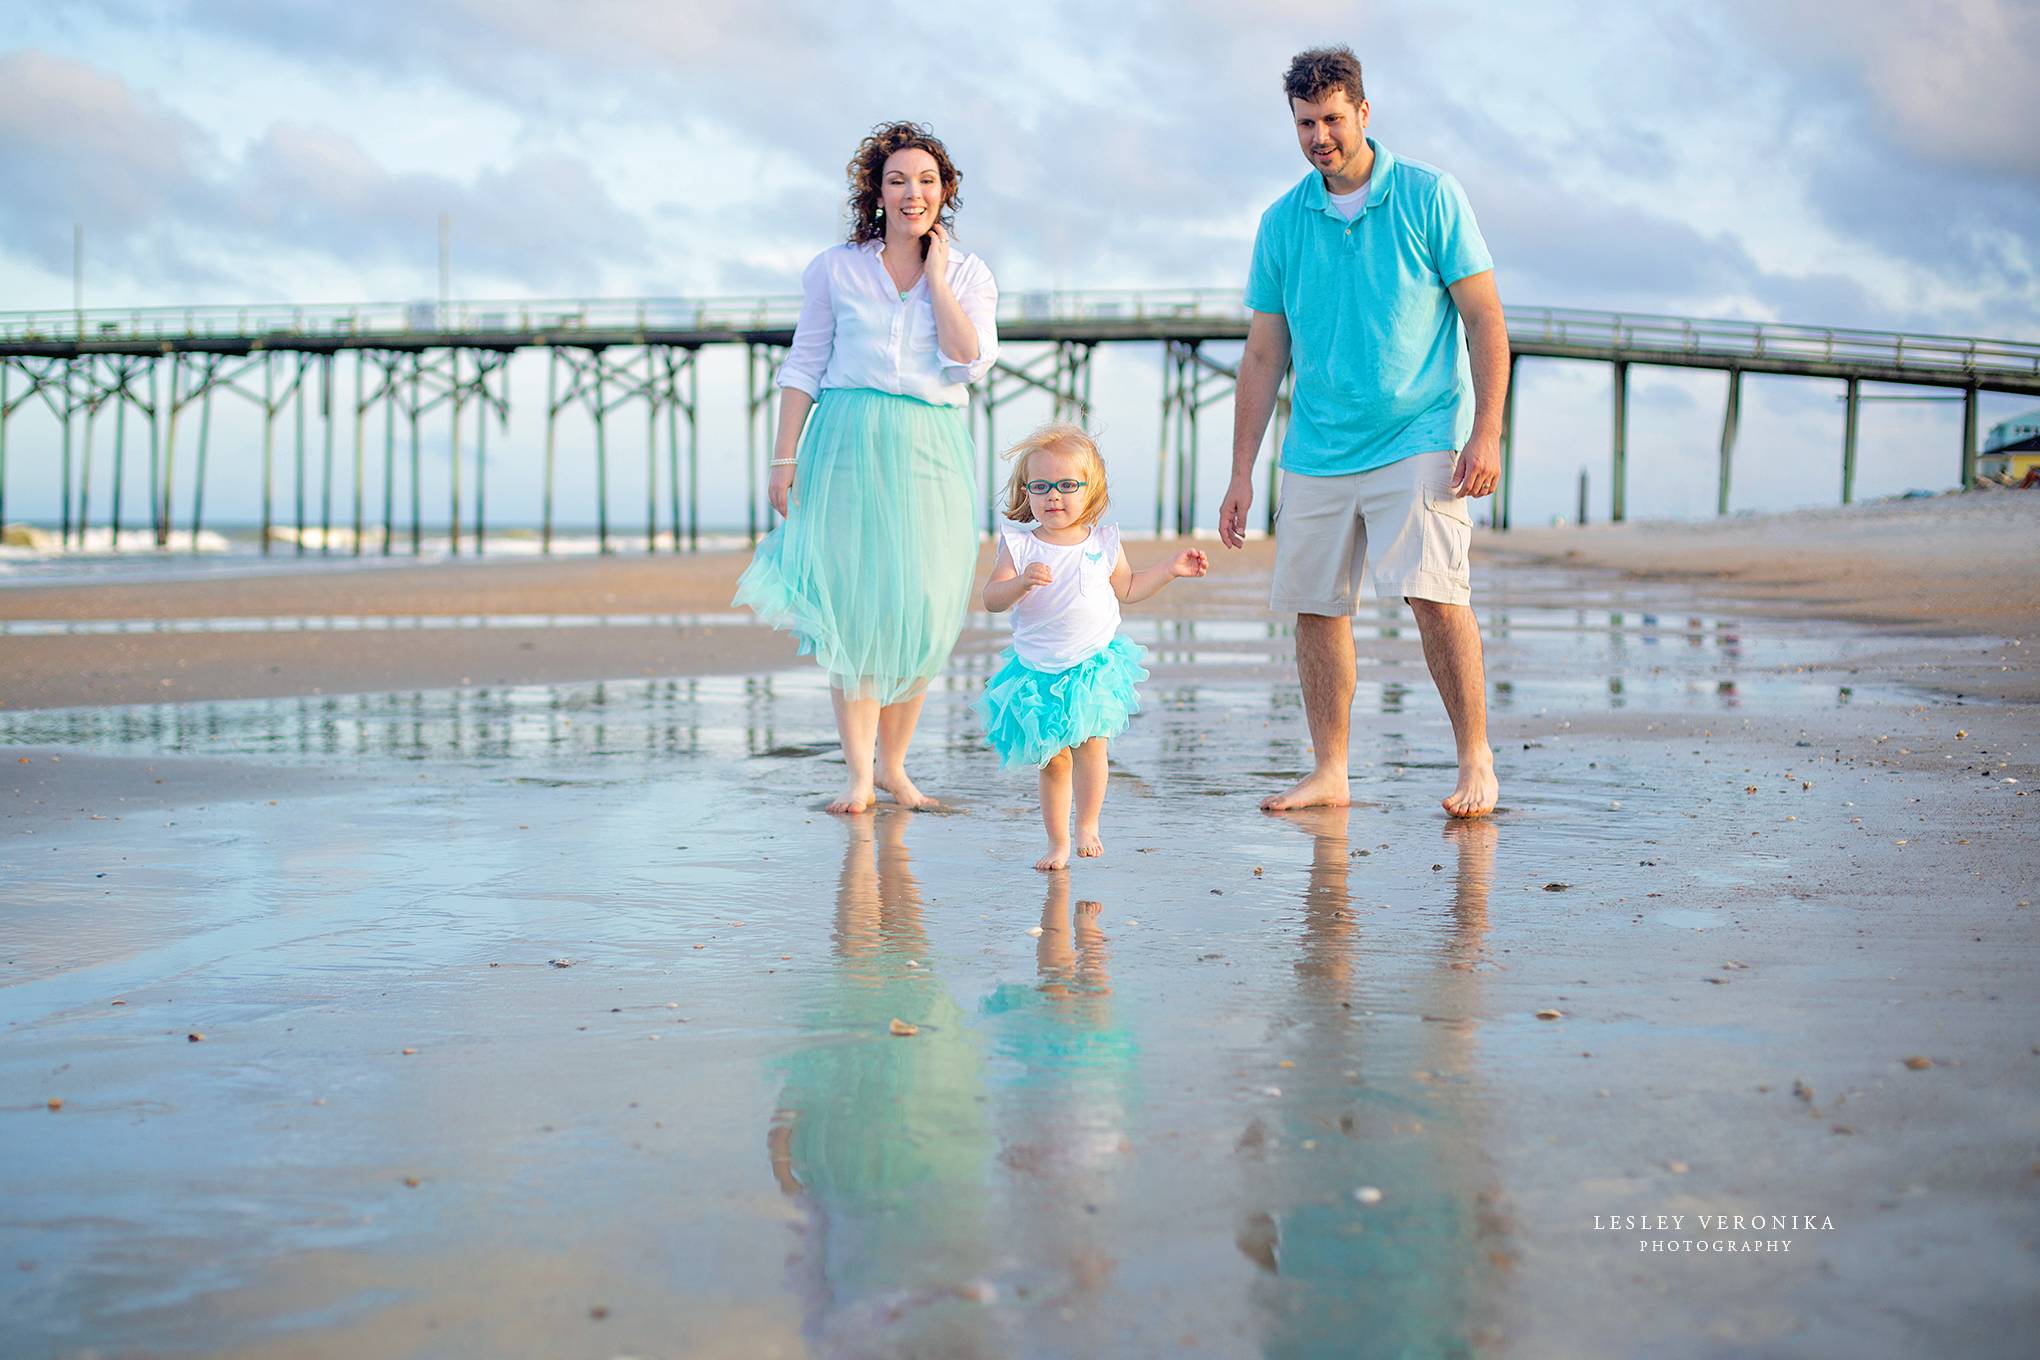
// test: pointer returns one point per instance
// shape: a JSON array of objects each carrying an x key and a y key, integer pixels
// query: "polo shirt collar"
[{"x": 1319, "y": 199}]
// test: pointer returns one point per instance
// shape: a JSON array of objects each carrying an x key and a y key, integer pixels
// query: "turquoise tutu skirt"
[
  {"x": 872, "y": 568},
  {"x": 1030, "y": 715}
]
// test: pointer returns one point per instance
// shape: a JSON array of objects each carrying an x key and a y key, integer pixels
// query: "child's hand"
[
  {"x": 1037, "y": 574},
  {"x": 1190, "y": 562}
]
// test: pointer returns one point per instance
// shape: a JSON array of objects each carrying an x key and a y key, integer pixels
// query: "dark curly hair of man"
[
  {"x": 867, "y": 169},
  {"x": 1315, "y": 73}
]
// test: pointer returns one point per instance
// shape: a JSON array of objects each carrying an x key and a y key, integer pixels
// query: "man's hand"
[
  {"x": 1190, "y": 562},
  {"x": 780, "y": 489},
  {"x": 1478, "y": 468},
  {"x": 1036, "y": 575},
  {"x": 1232, "y": 514}
]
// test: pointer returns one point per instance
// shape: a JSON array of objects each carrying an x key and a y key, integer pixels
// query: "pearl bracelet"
[{"x": 784, "y": 462}]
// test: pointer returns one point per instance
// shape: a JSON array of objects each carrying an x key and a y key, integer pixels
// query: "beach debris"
[
  {"x": 1034, "y": 930},
  {"x": 561, "y": 963},
  {"x": 1556, "y": 887},
  {"x": 55, "y": 1103},
  {"x": 1549, "y": 1014},
  {"x": 1368, "y": 1194},
  {"x": 1217, "y": 892},
  {"x": 412, "y": 1181},
  {"x": 1961, "y": 734},
  {"x": 701, "y": 946},
  {"x": 409, "y": 1051},
  {"x": 1918, "y": 1064},
  {"x": 195, "y": 1037},
  {"x": 900, "y": 1029},
  {"x": 1677, "y": 1168},
  {"x": 1802, "y": 1090},
  {"x": 118, "y": 1002}
]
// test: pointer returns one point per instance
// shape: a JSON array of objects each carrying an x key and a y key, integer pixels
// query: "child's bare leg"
[
  {"x": 857, "y": 730},
  {"x": 1090, "y": 786},
  {"x": 1055, "y": 811}
]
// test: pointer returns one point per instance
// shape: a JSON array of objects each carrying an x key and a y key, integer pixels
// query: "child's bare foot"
[
  {"x": 1088, "y": 844},
  {"x": 1320, "y": 788},
  {"x": 1477, "y": 791},
  {"x": 855, "y": 797},
  {"x": 1058, "y": 857},
  {"x": 903, "y": 791}
]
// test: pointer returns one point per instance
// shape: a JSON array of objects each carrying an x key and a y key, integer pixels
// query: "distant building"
[{"x": 2012, "y": 449}]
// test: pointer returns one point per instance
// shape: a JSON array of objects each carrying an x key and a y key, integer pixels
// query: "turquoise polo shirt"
[{"x": 1380, "y": 357}]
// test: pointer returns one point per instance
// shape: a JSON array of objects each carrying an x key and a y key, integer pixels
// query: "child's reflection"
[
  {"x": 881, "y": 1140},
  {"x": 1384, "y": 1102},
  {"x": 1067, "y": 1074}
]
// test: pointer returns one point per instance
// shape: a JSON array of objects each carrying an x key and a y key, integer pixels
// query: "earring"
[{"x": 878, "y": 212}]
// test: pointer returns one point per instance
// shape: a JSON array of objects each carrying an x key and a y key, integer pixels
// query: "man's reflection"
[
  {"x": 1380, "y": 1098},
  {"x": 880, "y": 1140}
]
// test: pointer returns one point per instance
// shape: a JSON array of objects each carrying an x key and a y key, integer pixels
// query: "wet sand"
[{"x": 1755, "y": 862}]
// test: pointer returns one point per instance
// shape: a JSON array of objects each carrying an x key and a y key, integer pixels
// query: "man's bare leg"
[
  {"x": 857, "y": 730},
  {"x": 896, "y": 724},
  {"x": 1091, "y": 773},
  {"x": 1452, "y": 651},
  {"x": 1055, "y": 811},
  {"x": 1324, "y": 663}
]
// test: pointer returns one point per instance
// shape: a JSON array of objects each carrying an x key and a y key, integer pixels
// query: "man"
[{"x": 1366, "y": 273}]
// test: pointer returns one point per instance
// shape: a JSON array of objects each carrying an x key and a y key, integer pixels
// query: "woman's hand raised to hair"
[{"x": 935, "y": 266}]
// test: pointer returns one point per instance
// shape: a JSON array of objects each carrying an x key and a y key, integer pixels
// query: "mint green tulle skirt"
[
  {"x": 1030, "y": 715},
  {"x": 872, "y": 569}
]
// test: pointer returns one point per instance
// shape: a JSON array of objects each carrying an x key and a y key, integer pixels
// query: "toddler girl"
[{"x": 1067, "y": 685}]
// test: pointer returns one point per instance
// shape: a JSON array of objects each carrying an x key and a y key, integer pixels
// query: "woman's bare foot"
[
  {"x": 1320, "y": 788},
  {"x": 1058, "y": 857},
  {"x": 1477, "y": 791},
  {"x": 855, "y": 797},
  {"x": 1088, "y": 844},
  {"x": 903, "y": 791}
]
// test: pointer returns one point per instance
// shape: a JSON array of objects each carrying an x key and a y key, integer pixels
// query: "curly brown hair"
[
  {"x": 867, "y": 168},
  {"x": 1315, "y": 73}
]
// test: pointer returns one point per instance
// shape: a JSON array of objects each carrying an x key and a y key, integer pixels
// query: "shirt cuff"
[
  {"x": 799, "y": 382},
  {"x": 957, "y": 371}
]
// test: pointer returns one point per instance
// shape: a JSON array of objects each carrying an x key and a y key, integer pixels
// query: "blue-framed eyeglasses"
[{"x": 1068, "y": 486}]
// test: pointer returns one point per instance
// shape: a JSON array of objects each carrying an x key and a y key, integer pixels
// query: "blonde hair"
[{"x": 1057, "y": 436}]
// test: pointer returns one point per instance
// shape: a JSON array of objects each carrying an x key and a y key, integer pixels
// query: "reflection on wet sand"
[
  {"x": 881, "y": 1140},
  {"x": 1066, "y": 1076},
  {"x": 1368, "y": 1200}
]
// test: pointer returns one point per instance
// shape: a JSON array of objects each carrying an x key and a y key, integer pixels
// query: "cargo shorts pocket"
[{"x": 1448, "y": 533}]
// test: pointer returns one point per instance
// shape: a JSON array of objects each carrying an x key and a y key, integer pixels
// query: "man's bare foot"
[
  {"x": 1321, "y": 788},
  {"x": 855, "y": 797},
  {"x": 1058, "y": 857},
  {"x": 1088, "y": 844},
  {"x": 1477, "y": 791},
  {"x": 903, "y": 791}
]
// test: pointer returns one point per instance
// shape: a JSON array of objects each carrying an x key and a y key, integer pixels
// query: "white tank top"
[{"x": 1071, "y": 619}]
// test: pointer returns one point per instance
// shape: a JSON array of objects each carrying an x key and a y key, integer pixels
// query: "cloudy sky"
[{"x": 1844, "y": 164}]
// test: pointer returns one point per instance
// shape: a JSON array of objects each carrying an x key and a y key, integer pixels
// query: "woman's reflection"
[{"x": 881, "y": 1140}]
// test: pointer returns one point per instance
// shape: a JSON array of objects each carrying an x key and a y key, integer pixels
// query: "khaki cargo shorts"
[{"x": 1398, "y": 525}]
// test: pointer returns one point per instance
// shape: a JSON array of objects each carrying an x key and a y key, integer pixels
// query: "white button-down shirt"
[{"x": 855, "y": 329}]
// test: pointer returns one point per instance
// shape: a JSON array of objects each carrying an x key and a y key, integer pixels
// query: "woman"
[{"x": 872, "y": 567}]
